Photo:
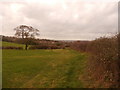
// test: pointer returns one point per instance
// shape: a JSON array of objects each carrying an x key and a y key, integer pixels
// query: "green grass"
[
  {"x": 6, "y": 44},
  {"x": 43, "y": 68}
]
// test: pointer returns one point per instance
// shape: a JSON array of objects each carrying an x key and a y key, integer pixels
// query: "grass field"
[
  {"x": 6, "y": 44},
  {"x": 43, "y": 68}
]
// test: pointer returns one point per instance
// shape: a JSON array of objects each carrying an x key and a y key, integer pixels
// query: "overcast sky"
[{"x": 61, "y": 19}]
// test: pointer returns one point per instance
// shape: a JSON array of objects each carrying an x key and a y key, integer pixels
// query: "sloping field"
[
  {"x": 6, "y": 44},
  {"x": 43, "y": 68}
]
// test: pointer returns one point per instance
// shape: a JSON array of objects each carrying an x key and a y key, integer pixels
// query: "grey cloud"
[{"x": 63, "y": 19}]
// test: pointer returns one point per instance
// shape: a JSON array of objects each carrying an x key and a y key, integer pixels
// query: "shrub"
[
  {"x": 38, "y": 47},
  {"x": 11, "y": 47},
  {"x": 45, "y": 47},
  {"x": 79, "y": 45},
  {"x": 103, "y": 61}
]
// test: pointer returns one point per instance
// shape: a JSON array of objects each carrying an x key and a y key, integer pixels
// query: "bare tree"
[{"x": 26, "y": 33}]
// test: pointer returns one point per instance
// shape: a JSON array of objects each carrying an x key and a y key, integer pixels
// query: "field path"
[{"x": 43, "y": 68}]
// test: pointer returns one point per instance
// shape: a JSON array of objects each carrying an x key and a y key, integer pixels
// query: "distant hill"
[{"x": 13, "y": 41}]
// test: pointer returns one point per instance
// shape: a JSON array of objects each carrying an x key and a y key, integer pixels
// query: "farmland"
[
  {"x": 6, "y": 44},
  {"x": 82, "y": 64},
  {"x": 60, "y": 68}
]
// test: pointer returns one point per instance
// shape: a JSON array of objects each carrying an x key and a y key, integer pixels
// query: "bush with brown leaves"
[
  {"x": 45, "y": 47},
  {"x": 11, "y": 47},
  {"x": 104, "y": 62}
]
